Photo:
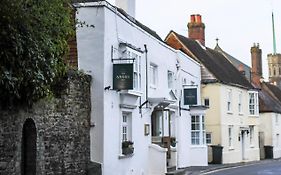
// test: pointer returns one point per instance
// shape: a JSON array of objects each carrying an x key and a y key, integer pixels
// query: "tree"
[{"x": 33, "y": 41}]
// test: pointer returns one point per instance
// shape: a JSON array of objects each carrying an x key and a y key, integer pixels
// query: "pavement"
[{"x": 201, "y": 170}]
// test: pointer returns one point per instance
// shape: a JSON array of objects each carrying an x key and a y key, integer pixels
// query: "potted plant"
[{"x": 127, "y": 147}]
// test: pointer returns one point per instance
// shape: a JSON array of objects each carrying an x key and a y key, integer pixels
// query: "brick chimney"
[
  {"x": 196, "y": 29},
  {"x": 129, "y": 6},
  {"x": 256, "y": 73}
]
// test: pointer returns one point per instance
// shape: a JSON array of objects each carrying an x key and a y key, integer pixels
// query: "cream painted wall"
[
  {"x": 213, "y": 117},
  {"x": 271, "y": 127},
  {"x": 218, "y": 120},
  {"x": 266, "y": 127}
]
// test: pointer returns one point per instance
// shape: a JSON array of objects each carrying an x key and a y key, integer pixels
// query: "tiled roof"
[
  {"x": 216, "y": 63},
  {"x": 269, "y": 98},
  {"x": 235, "y": 61}
]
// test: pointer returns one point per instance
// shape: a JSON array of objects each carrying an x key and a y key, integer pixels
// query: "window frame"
[
  {"x": 253, "y": 103},
  {"x": 229, "y": 101},
  {"x": 207, "y": 99},
  {"x": 129, "y": 53},
  {"x": 198, "y": 130},
  {"x": 127, "y": 136},
  {"x": 240, "y": 103},
  {"x": 230, "y": 136},
  {"x": 170, "y": 78},
  {"x": 252, "y": 131},
  {"x": 208, "y": 138},
  {"x": 153, "y": 72}
]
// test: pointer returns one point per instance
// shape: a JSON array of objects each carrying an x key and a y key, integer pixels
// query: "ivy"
[{"x": 33, "y": 42}]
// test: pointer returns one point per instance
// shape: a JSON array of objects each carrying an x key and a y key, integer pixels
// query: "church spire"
[{"x": 274, "y": 39}]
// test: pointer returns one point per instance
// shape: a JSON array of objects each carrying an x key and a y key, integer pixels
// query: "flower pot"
[{"x": 127, "y": 151}]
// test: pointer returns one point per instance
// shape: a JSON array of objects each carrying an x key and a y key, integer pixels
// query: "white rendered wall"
[
  {"x": 94, "y": 54},
  {"x": 90, "y": 46}
]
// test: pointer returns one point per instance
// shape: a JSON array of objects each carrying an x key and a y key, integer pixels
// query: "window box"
[{"x": 127, "y": 147}]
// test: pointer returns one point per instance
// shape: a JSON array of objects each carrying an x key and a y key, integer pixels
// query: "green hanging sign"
[
  {"x": 123, "y": 76},
  {"x": 190, "y": 96}
]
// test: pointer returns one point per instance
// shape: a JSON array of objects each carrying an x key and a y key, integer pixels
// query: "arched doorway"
[{"x": 29, "y": 148}]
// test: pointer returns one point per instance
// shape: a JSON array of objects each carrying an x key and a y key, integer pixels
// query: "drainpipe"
[{"x": 146, "y": 74}]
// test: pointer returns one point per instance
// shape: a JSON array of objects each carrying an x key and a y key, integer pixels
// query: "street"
[{"x": 272, "y": 168}]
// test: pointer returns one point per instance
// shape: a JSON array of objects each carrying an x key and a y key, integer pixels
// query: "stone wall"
[{"x": 62, "y": 130}]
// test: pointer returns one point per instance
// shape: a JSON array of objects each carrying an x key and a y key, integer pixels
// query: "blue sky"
[{"x": 237, "y": 23}]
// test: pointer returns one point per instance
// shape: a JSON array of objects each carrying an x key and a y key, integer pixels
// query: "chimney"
[
  {"x": 129, "y": 6},
  {"x": 256, "y": 74},
  {"x": 196, "y": 29}
]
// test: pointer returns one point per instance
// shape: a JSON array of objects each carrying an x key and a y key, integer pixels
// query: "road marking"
[{"x": 229, "y": 168}]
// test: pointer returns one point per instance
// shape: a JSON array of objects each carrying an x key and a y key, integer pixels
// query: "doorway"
[{"x": 29, "y": 137}]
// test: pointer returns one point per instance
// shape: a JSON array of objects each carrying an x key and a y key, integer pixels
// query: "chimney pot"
[
  {"x": 196, "y": 29},
  {"x": 192, "y": 18},
  {"x": 198, "y": 18}
]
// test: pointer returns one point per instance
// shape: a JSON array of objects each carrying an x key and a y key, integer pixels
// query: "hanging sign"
[
  {"x": 190, "y": 96},
  {"x": 123, "y": 76}
]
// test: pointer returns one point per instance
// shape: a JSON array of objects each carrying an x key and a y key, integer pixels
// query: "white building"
[{"x": 152, "y": 113}]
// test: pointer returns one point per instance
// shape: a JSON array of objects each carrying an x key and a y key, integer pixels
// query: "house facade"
[
  {"x": 232, "y": 120},
  {"x": 270, "y": 115},
  {"x": 270, "y": 108},
  {"x": 146, "y": 111}
]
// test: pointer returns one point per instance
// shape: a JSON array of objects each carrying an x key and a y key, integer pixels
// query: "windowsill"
[
  {"x": 122, "y": 156},
  {"x": 240, "y": 114},
  {"x": 231, "y": 148},
  {"x": 254, "y": 115},
  {"x": 198, "y": 146},
  {"x": 132, "y": 92},
  {"x": 229, "y": 112},
  {"x": 252, "y": 146}
]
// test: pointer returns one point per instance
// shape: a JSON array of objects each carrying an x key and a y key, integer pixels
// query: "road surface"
[{"x": 265, "y": 168}]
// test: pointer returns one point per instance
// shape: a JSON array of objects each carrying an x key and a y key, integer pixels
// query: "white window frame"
[
  {"x": 198, "y": 132},
  {"x": 206, "y": 99},
  {"x": 229, "y": 101},
  {"x": 137, "y": 72},
  {"x": 170, "y": 77},
  {"x": 240, "y": 110},
  {"x": 253, "y": 103},
  {"x": 153, "y": 70},
  {"x": 252, "y": 131},
  {"x": 208, "y": 138},
  {"x": 126, "y": 126},
  {"x": 230, "y": 136},
  {"x": 129, "y": 53}
]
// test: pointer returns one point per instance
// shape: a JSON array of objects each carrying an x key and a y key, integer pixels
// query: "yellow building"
[{"x": 232, "y": 120}]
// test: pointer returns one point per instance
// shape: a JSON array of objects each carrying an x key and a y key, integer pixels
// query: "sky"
[{"x": 236, "y": 23}]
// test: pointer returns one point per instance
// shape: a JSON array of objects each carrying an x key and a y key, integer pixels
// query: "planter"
[{"x": 127, "y": 151}]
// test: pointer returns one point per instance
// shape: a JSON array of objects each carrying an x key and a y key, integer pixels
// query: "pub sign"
[
  {"x": 190, "y": 96},
  {"x": 123, "y": 76}
]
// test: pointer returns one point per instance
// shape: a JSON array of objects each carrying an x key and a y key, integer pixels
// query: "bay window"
[{"x": 198, "y": 133}]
